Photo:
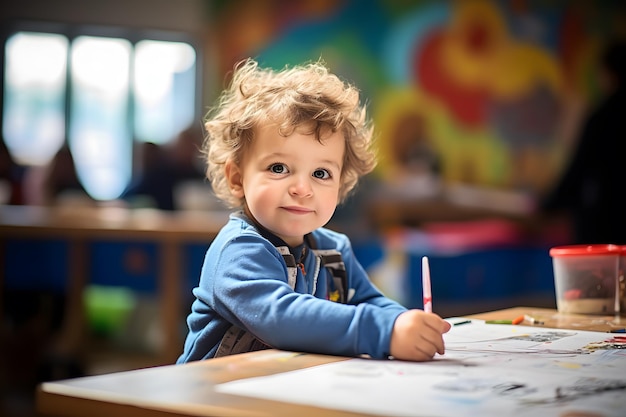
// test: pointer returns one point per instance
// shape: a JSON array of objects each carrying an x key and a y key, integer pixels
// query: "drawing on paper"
[
  {"x": 487, "y": 370},
  {"x": 581, "y": 388}
]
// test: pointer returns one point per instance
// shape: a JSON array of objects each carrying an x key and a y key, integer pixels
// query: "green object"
[
  {"x": 107, "y": 308},
  {"x": 499, "y": 321}
]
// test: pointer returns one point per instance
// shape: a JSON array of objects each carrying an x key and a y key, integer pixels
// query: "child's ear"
[{"x": 234, "y": 178}]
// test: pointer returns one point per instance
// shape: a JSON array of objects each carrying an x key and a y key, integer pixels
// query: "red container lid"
[{"x": 578, "y": 250}]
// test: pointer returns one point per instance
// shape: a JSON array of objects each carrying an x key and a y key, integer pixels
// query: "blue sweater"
[{"x": 244, "y": 282}]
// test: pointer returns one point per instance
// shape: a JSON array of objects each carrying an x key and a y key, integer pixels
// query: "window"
[
  {"x": 99, "y": 137},
  {"x": 164, "y": 78},
  {"x": 98, "y": 93},
  {"x": 34, "y": 96}
]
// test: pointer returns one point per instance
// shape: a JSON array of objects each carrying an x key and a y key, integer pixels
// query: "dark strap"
[
  {"x": 292, "y": 266},
  {"x": 236, "y": 341},
  {"x": 333, "y": 262}
]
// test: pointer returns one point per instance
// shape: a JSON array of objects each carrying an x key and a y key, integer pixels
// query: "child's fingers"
[
  {"x": 437, "y": 322},
  {"x": 425, "y": 350},
  {"x": 431, "y": 337},
  {"x": 422, "y": 353},
  {"x": 418, "y": 336}
]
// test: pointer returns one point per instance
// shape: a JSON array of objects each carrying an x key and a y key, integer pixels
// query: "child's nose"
[{"x": 301, "y": 187}]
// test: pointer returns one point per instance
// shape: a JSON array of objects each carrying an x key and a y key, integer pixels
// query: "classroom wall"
[
  {"x": 490, "y": 92},
  {"x": 493, "y": 91},
  {"x": 177, "y": 15}
]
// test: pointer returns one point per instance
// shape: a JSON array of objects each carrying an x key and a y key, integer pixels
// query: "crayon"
[
  {"x": 458, "y": 323},
  {"x": 517, "y": 320},
  {"x": 531, "y": 319}
]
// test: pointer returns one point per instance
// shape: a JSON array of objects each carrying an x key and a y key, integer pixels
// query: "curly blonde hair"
[{"x": 306, "y": 96}]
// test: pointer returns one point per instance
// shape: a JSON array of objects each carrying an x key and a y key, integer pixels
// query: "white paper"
[{"x": 487, "y": 370}]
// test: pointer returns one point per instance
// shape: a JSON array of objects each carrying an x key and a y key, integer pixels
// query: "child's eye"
[
  {"x": 278, "y": 168},
  {"x": 322, "y": 174}
]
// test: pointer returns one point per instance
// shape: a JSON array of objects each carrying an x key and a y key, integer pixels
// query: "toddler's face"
[{"x": 290, "y": 184}]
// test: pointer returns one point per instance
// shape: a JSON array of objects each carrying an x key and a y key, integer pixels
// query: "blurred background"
[{"x": 478, "y": 106}]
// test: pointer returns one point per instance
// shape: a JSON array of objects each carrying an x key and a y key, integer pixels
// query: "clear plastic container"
[
  {"x": 621, "y": 280},
  {"x": 587, "y": 278}
]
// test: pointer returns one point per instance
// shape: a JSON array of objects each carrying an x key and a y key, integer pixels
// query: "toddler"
[{"x": 283, "y": 149}]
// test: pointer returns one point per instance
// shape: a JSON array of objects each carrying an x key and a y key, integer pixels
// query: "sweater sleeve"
[{"x": 247, "y": 285}]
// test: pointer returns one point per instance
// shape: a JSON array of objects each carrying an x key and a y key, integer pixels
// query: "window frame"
[{"x": 133, "y": 35}]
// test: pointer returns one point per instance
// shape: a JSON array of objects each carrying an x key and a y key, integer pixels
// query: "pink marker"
[{"x": 428, "y": 298}]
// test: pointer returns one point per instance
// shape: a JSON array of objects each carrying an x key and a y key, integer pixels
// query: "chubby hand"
[{"x": 417, "y": 336}]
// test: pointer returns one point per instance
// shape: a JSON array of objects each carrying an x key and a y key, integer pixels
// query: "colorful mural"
[{"x": 477, "y": 92}]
